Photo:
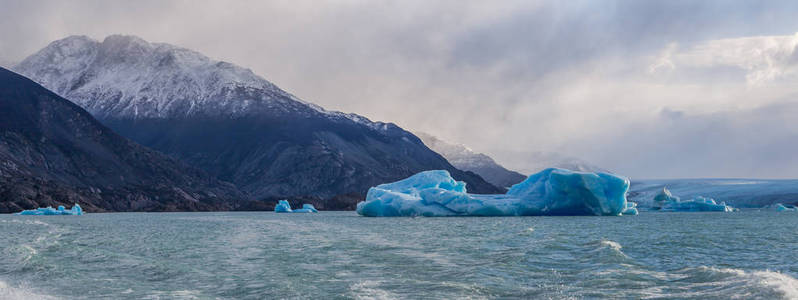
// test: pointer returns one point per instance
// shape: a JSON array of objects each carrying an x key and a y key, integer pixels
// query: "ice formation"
[
  {"x": 665, "y": 201},
  {"x": 784, "y": 207},
  {"x": 751, "y": 193},
  {"x": 284, "y": 207},
  {"x": 550, "y": 192},
  {"x": 306, "y": 208},
  {"x": 49, "y": 211}
]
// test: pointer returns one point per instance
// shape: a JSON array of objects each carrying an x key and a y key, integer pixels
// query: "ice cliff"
[{"x": 550, "y": 192}]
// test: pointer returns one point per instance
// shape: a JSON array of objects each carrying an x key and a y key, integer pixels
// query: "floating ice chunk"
[
  {"x": 306, "y": 208},
  {"x": 784, "y": 207},
  {"x": 665, "y": 201},
  {"x": 49, "y": 211},
  {"x": 550, "y": 192},
  {"x": 631, "y": 209},
  {"x": 284, "y": 207}
]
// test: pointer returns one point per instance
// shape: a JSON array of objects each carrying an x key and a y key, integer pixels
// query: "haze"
[{"x": 644, "y": 88}]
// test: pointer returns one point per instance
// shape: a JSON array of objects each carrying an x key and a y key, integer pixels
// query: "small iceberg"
[
  {"x": 49, "y": 211},
  {"x": 550, "y": 192},
  {"x": 284, "y": 207},
  {"x": 665, "y": 201},
  {"x": 306, "y": 208},
  {"x": 780, "y": 207}
]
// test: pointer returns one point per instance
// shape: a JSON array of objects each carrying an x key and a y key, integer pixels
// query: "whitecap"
[
  {"x": 369, "y": 289},
  {"x": 21, "y": 293}
]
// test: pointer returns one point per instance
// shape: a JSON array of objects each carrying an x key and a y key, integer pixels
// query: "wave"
[
  {"x": 20, "y": 293},
  {"x": 607, "y": 246},
  {"x": 27, "y": 222},
  {"x": 369, "y": 289},
  {"x": 711, "y": 282}
]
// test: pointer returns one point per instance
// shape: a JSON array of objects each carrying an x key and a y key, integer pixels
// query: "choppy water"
[{"x": 340, "y": 255}]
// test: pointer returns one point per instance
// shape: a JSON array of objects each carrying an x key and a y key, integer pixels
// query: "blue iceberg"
[
  {"x": 780, "y": 207},
  {"x": 306, "y": 208},
  {"x": 550, "y": 192},
  {"x": 284, "y": 207},
  {"x": 665, "y": 201},
  {"x": 49, "y": 211}
]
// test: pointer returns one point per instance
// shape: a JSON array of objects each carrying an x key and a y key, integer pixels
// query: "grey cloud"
[{"x": 509, "y": 75}]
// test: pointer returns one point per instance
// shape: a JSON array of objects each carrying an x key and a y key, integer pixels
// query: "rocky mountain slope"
[
  {"x": 52, "y": 152},
  {"x": 466, "y": 159},
  {"x": 232, "y": 123}
]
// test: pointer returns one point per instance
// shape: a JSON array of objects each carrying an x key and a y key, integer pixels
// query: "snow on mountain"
[
  {"x": 128, "y": 77},
  {"x": 231, "y": 122},
  {"x": 464, "y": 158}
]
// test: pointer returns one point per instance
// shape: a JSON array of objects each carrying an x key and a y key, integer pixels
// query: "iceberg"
[
  {"x": 284, "y": 207},
  {"x": 552, "y": 191},
  {"x": 780, "y": 207},
  {"x": 50, "y": 211},
  {"x": 631, "y": 209},
  {"x": 306, "y": 208},
  {"x": 665, "y": 201}
]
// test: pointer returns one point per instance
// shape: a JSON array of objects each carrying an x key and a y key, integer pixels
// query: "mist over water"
[{"x": 341, "y": 255}]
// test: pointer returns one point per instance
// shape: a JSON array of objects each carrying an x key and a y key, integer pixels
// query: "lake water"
[{"x": 332, "y": 255}]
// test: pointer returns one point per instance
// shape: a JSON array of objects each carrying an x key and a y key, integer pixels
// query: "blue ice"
[
  {"x": 49, "y": 211},
  {"x": 665, "y": 201},
  {"x": 284, "y": 207},
  {"x": 306, "y": 208},
  {"x": 785, "y": 207},
  {"x": 550, "y": 192}
]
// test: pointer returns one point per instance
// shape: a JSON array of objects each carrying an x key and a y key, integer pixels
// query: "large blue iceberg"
[
  {"x": 551, "y": 192},
  {"x": 665, "y": 201},
  {"x": 49, "y": 211},
  {"x": 284, "y": 207}
]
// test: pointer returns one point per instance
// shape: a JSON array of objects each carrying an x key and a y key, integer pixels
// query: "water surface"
[{"x": 332, "y": 255}]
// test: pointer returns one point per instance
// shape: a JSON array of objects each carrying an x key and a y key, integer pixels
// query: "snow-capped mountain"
[
  {"x": 127, "y": 77},
  {"x": 466, "y": 159},
  {"x": 231, "y": 122}
]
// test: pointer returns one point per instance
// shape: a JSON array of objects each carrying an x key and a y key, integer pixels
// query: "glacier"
[
  {"x": 284, "y": 207},
  {"x": 49, "y": 211},
  {"x": 552, "y": 191},
  {"x": 665, "y": 201},
  {"x": 740, "y": 192}
]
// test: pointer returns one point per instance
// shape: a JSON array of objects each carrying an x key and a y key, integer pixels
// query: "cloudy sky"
[{"x": 644, "y": 88}]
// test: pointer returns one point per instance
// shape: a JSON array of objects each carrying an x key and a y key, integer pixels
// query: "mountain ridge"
[
  {"x": 232, "y": 123},
  {"x": 464, "y": 158}
]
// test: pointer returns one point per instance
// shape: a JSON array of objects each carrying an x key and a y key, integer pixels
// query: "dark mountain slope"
[{"x": 52, "y": 152}]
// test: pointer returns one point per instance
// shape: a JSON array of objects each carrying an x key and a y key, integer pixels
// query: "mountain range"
[{"x": 231, "y": 123}]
